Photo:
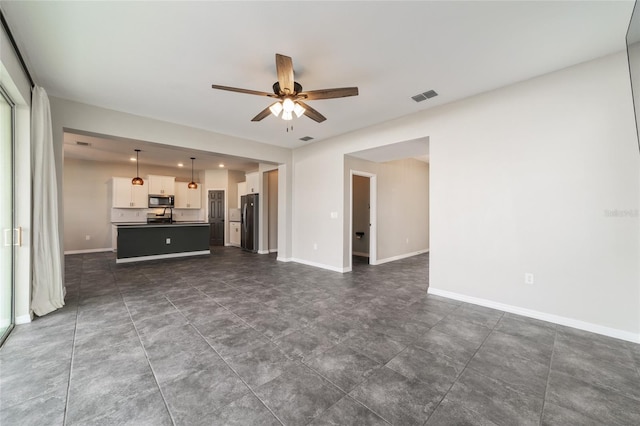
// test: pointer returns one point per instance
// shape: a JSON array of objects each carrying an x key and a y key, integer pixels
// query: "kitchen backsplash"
[
  {"x": 140, "y": 215},
  {"x": 129, "y": 215}
]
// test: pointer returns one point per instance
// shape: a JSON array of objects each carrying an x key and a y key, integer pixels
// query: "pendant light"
[
  {"x": 192, "y": 184},
  {"x": 137, "y": 180}
]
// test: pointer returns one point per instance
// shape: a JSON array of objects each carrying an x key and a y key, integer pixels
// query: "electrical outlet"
[
  {"x": 87, "y": 237},
  {"x": 528, "y": 278},
  {"x": 407, "y": 240},
  {"x": 334, "y": 215},
  {"x": 315, "y": 246},
  {"x": 168, "y": 241}
]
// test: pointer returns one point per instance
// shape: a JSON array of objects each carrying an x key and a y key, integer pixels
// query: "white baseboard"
[
  {"x": 23, "y": 319},
  {"x": 273, "y": 250},
  {"x": 97, "y": 250},
  {"x": 400, "y": 256},
  {"x": 263, "y": 251},
  {"x": 360, "y": 254},
  {"x": 556, "y": 319},
  {"x": 162, "y": 256},
  {"x": 283, "y": 259},
  {"x": 320, "y": 265}
]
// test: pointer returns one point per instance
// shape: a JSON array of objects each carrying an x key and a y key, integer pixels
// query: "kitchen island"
[{"x": 149, "y": 241}]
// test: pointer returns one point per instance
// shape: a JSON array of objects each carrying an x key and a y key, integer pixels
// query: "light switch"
[
  {"x": 168, "y": 241},
  {"x": 334, "y": 215}
]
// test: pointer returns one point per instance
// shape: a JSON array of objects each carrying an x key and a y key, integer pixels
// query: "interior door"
[
  {"x": 216, "y": 218},
  {"x": 9, "y": 234}
]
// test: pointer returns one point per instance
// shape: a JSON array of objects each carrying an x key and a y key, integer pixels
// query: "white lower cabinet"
[
  {"x": 128, "y": 196},
  {"x": 234, "y": 233}
]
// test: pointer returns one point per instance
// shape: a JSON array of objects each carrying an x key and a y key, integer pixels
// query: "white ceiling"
[
  {"x": 416, "y": 148},
  {"x": 118, "y": 150},
  {"x": 159, "y": 59}
]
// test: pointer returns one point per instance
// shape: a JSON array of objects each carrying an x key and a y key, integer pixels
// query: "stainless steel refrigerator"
[{"x": 249, "y": 225}]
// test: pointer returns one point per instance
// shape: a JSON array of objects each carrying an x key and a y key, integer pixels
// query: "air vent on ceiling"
[
  {"x": 83, "y": 143},
  {"x": 424, "y": 96},
  {"x": 306, "y": 138}
]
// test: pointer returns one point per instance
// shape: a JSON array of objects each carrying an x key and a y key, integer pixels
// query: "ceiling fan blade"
[
  {"x": 312, "y": 113},
  {"x": 342, "y": 92},
  {"x": 262, "y": 114},
  {"x": 284, "y": 67},
  {"x": 247, "y": 91}
]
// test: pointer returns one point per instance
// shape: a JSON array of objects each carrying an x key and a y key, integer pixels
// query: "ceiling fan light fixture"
[
  {"x": 298, "y": 110},
  {"x": 276, "y": 109},
  {"x": 192, "y": 184},
  {"x": 288, "y": 105},
  {"x": 137, "y": 180},
  {"x": 286, "y": 115}
]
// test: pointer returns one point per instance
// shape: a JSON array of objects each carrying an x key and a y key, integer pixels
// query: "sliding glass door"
[{"x": 6, "y": 215}]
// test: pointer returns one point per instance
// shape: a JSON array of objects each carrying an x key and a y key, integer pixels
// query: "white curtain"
[{"x": 48, "y": 287}]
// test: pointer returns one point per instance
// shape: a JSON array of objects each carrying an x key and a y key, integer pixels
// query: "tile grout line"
[
  {"x": 546, "y": 388},
  {"x": 463, "y": 370},
  {"x": 346, "y": 394},
  {"x": 300, "y": 361},
  {"x": 221, "y": 357},
  {"x": 234, "y": 372},
  {"x": 146, "y": 355},
  {"x": 73, "y": 350}
]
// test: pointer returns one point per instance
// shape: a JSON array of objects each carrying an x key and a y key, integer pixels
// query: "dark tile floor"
[{"x": 238, "y": 338}]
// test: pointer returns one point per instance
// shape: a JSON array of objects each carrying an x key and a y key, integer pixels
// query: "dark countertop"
[{"x": 157, "y": 225}]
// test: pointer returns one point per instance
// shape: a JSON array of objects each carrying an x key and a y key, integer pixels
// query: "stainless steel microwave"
[{"x": 160, "y": 201}]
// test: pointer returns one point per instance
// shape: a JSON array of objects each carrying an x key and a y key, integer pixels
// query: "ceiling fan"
[{"x": 290, "y": 95}]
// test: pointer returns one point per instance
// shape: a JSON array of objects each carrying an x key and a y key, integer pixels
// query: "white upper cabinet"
[
  {"x": 188, "y": 198},
  {"x": 161, "y": 185},
  {"x": 253, "y": 183},
  {"x": 128, "y": 196},
  {"x": 242, "y": 190}
]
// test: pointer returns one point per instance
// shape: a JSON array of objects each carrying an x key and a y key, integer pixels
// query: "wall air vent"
[
  {"x": 424, "y": 96},
  {"x": 306, "y": 138},
  {"x": 83, "y": 143}
]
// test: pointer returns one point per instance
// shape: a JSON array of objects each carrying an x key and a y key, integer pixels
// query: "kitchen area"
[
  {"x": 172, "y": 223},
  {"x": 156, "y": 234},
  {"x": 165, "y": 216}
]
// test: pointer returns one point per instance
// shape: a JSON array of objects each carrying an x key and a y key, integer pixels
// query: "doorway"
[
  {"x": 216, "y": 217},
  {"x": 7, "y": 258},
  {"x": 363, "y": 240}
]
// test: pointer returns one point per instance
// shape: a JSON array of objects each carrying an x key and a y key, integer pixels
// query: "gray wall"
[
  {"x": 272, "y": 209},
  {"x": 523, "y": 179}
]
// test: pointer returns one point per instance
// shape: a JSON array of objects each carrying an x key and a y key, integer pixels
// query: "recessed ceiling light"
[
  {"x": 180, "y": 165},
  {"x": 220, "y": 165}
]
